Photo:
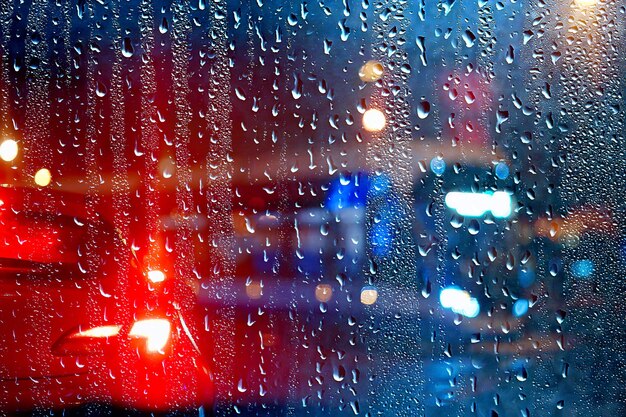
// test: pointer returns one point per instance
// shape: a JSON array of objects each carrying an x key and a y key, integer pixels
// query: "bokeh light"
[
  {"x": 8, "y": 150},
  {"x": 586, "y": 3},
  {"x": 438, "y": 165},
  {"x": 374, "y": 120},
  {"x": 323, "y": 293},
  {"x": 371, "y": 71},
  {"x": 43, "y": 177},
  {"x": 254, "y": 290},
  {"x": 156, "y": 275},
  {"x": 459, "y": 301},
  {"x": 520, "y": 307},
  {"x": 369, "y": 295}
]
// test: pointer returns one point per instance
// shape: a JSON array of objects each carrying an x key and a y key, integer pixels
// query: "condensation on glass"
[{"x": 265, "y": 208}]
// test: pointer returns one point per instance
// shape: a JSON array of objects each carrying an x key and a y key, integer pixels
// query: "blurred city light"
[
  {"x": 99, "y": 331},
  {"x": 8, "y": 150},
  {"x": 43, "y": 177},
  {"x": 254, "y": 290},
  {"x": 520, "y": 307},
  {"x": 369, "y": 295},
  {"x": 438, "y": 165},
  {"x": 586, "y": 3},
  {"x": 156, "y": 276},
  {"x": 374, "y": 120},
  {"x": 323, "y": 293},
  {"x": 459, "y": 301},
  {"x": 371, "y": 71},
  {"x": 502, "y": 170},
  {"x": 155, "y": 331},
  {"x": 583, "y": 268},
  {"x": 380, "y": 184},
  {"x": 478, "y": 204}
]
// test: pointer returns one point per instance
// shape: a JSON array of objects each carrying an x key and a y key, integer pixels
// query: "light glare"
[
  {"x": 43, "y": 177},
  {"x": 100, "y": 331},
  {"x": 478, "y": 204},
  {"x": 371, "y": 71},
  {"x": 374, "y": 120},
  {"x": 156, "y": 276},
  {"x": 459, "y": 301},
  {"x": 254, "y": 290},
  {"x": 8, "y": 150},
  {"x": 323, "y": 293},
  {"x": 155, "y": 331},
  {"x": 369, "y": 295}
]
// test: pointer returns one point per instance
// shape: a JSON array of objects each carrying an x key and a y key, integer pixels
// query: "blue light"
[
  {"x": 381, "y": 238},
  {"x": 520, "y": 307},
  {"x": 502, "y": 170},
  {"x": 438, "y": 165},
  {"x": 380, "y": 184},
  {"x": 583, "y": 268},
  {"x": 348, "y": 191}
]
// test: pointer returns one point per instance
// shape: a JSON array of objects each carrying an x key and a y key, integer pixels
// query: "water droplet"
[{"x": 423, "y": 109}]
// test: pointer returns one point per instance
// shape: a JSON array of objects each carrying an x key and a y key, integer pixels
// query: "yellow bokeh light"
[
  {"x": 586, "y": 3},
  {"x": 374, "y": 120},
  {"x": 43, "y": 177},
  {"x": 371, "y": 71},
  {"x": 8, "y": 150},
  {"x": 369, "y": 295},
  {"x": 323, "y": 293}
]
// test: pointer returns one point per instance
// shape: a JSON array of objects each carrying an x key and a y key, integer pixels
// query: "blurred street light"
[
  {"x": 369, "y": 295},
  {"x": 254, "y": 290},
  {"x": 8, "y": 150},
  {"x": 371, "y": 71},
  {"x": 478, "y": 204},
  {"x": 459, "y": 301},
  {"x": 586, "y": 3},
  {"x": 156, "y": 275},
  {"x": 43, "y": 177},
  {"x": 323, "y": 293},
  {"x": 374, "y": 120}
]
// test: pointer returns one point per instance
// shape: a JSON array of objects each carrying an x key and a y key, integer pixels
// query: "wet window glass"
[{"x": 312, "y": 208}]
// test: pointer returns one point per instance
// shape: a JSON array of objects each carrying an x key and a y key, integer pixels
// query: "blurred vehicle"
[{"x": 82, "y": 322}]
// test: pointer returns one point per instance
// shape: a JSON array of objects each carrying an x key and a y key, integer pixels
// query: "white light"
[
  {"x": 100, "y": 331},
  {"x": 8, "y": 150},
  {"x": 155, "y": 331},
  {"x": 374, "y": 120},
  {"x": 500, "y": 204},
  {"x": 156, "y": 276},
  {"x": 43, "y": 177},
  {"x": 452, "y": 296},
  {"x": 459, "y": 301},
  {"x": 477, "y": 204},
  {"x": 586, "y": 3},
  {"x": 470, "y": 309}
]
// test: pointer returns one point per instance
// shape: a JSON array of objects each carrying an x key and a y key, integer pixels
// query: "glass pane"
[{"x": 312, "y": 208}]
